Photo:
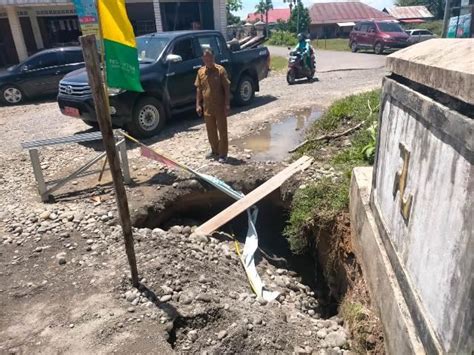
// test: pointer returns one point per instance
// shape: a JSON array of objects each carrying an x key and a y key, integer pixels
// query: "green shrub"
[
  {"x": 369, "y": 149},
  {"x": 324, "y": 199},
  {"x": 282, "y": 38}
]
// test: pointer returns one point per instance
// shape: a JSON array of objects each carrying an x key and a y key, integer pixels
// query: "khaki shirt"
[{"x": 213, "y": 83}]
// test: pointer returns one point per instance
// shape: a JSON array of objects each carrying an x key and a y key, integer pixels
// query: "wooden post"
[
  {"x": 91, "y": 58},
  {"x": 35, "y": 162}
]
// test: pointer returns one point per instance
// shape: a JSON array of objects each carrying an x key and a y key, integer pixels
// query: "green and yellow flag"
[{"x": 121, "y": 57}]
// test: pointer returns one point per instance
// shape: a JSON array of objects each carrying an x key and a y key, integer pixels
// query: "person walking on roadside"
[{"x": 213, "y": 102}]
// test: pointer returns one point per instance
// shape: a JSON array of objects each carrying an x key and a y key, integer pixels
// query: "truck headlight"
[{"x": 114, "y": 91}]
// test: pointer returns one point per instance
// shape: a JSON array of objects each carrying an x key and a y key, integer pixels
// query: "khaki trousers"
[{"x": 216, "y": 126}]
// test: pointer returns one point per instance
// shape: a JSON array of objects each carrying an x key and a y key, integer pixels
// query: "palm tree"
[{"x": 262, "y": 8}]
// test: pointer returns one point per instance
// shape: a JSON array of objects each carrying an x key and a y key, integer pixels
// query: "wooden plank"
[{"x": 253, "y": 197}]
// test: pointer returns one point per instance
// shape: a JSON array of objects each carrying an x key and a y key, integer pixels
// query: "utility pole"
[
  {"x": 297, "y": 16},
  {"x": 101, "y": 103},
  {"x": 447, "y": 16}
]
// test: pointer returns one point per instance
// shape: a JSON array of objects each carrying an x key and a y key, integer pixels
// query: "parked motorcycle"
[{"x": 296, "y": 68}]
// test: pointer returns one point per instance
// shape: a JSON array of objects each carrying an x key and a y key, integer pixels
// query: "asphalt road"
[{"x": 335, "y": 60}]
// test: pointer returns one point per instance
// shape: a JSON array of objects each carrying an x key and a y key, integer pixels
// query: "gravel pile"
[{"x": 195, "y": 286}]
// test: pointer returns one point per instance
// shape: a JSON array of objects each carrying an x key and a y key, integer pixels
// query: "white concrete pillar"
[
  {"x": 36, "y": 29},
  {"x": 220, "y": 16},
  {"x": 156, "y": 9},
  {"x": 17, "y": 33}
]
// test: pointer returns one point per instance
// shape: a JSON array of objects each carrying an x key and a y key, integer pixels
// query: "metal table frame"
[{"x": 46, "y": 188}]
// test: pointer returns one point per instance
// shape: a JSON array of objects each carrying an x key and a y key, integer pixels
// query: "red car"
[{"x": 378, "y": 35}]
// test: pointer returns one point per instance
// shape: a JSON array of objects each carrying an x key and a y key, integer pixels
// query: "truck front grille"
[{"x": 74, "y": 89}]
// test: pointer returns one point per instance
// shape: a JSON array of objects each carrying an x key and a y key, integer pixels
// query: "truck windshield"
[
  {"x": 150, "y": 48},
  {"x": 389, "y": 27}
]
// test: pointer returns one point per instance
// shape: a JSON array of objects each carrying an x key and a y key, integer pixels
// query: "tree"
[
  {"x": 281, "y": 25},
  {"x": 435, "y": 6},
  {"x": 262, "y": 8},
  {"x": 233, "y": 6},
  {"x": 299, "y": 19}
]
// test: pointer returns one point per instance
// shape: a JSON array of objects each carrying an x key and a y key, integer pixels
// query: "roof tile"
[{"x": 333, "y": 12}]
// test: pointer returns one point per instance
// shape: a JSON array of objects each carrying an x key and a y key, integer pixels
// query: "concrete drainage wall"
[{"x": 420, "y": 219}]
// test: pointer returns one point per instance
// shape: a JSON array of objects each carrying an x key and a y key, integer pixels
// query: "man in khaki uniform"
[{"x": 213, "y": 102}]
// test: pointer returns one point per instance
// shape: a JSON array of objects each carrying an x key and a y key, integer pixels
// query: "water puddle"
[{"x": 274, "y": 140}]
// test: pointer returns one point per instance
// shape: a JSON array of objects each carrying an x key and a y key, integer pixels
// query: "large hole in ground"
[{"x": 196, "y": 207}]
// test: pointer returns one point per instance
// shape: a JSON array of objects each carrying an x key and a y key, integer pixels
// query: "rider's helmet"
[{"x": 301, "y": 37}]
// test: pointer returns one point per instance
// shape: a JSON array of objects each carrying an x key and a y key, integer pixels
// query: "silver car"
[{"x": 419, "y": 35}]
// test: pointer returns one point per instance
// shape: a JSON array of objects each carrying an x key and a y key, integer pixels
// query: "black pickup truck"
[{"x": 168, "y": 65}]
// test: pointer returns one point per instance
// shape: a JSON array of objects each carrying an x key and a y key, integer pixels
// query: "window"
[
  {"x": 185, "y": 49},
  {"x": 426, "y": 33},
  {"x": 43, "y": 61},
  {"x": 415, "y": 33},
  {"x": 371, "y": 27},
  {"x": 150, "y": 48},
  {"x": 209, "y": 41},
  {"x": 389, "y": 27},
  {"x": 364, "y": 27},
  {"x": 72, "y": 57}
]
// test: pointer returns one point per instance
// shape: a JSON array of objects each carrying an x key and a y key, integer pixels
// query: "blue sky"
[{"x": 249, "y": 5}]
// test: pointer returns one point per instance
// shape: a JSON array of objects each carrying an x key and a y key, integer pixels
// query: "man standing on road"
[{"x": 213, "y": 102}]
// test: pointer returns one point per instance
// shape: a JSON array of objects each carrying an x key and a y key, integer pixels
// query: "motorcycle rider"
[{"x": 304, "y": 49}]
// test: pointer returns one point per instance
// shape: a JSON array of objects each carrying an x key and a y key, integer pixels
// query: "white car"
[{"x": 419, "y": 35}]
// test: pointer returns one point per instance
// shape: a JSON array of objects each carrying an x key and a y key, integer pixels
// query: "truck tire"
[
  {"x": 11, "y": 95},
  {"x": 148, "y": 118},
  {"x": 245, "y": 91}
]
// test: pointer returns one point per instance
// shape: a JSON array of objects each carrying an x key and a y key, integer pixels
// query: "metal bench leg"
[
  {"x": 35, "y": 162},
  {"x": 124, "y": 160}
]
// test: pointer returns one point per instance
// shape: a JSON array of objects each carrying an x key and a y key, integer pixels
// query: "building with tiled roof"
[
  {"x": 336, "y": 19},
  {"x": 274, "y": 16}
]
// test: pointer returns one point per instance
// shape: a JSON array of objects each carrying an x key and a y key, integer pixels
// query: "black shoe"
[
  {"x": 212, "y": 155},
  {"x": 222, "y": 160}
]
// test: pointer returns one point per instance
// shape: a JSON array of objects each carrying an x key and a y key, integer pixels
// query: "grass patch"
[
  {"x": 334, "y": 44},
  {"x": 278, "y": 63},
  {"x": 320, "y": 202},
  {"x": 326, "y": 198},
  {"x": 357, "y": 317},
  {"x": 367, "y": 335}
]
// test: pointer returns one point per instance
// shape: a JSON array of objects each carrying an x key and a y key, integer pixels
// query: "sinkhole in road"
[
  {"x": 274, "y": 140},
  {"x": 196, "y": 207}
]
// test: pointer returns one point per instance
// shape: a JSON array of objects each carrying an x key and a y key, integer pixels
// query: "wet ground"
[{"x": 273, "y": 141}]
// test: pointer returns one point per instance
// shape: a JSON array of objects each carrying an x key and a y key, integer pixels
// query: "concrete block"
[
  {"x": 426, "y": 222},
  {"x": 400, "y": 333},
  {"x": 443, "y": 64}
]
